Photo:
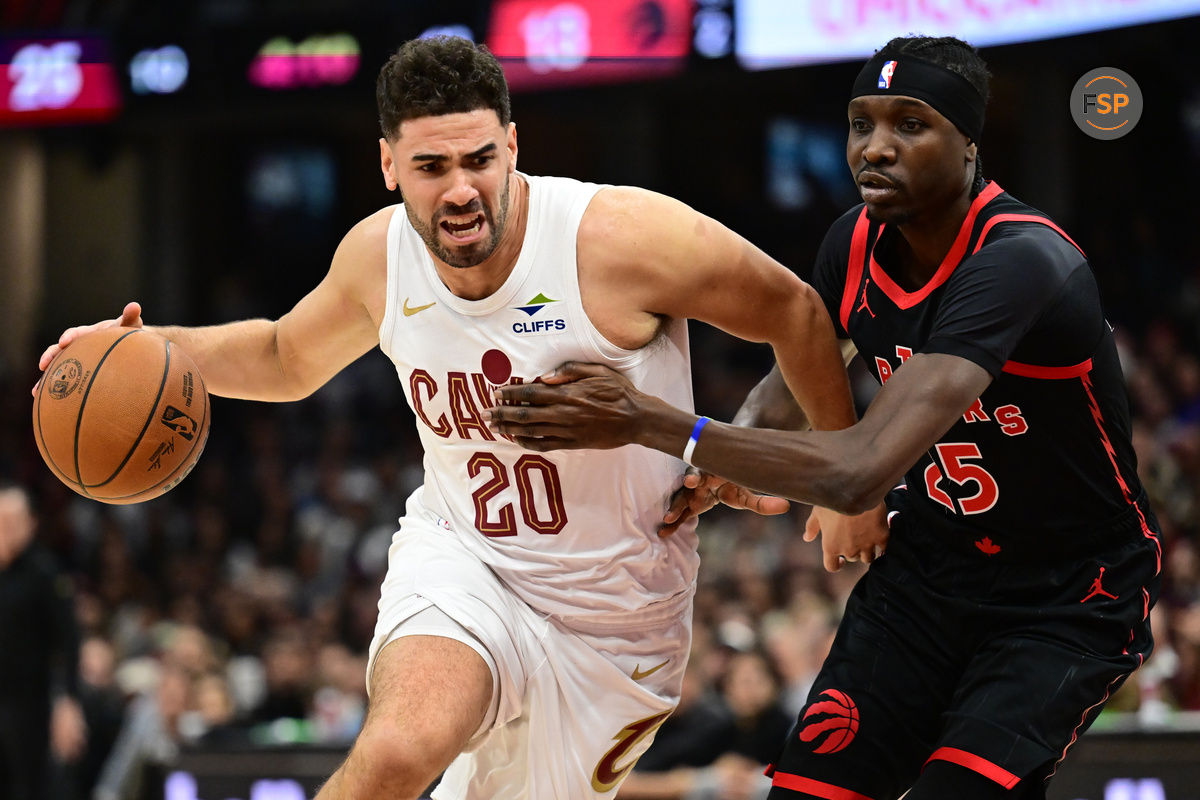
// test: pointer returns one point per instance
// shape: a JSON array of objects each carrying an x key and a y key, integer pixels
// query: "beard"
[{"x": 470, "y": 255}]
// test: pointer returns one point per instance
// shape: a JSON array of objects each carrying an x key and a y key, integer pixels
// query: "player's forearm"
[
  {"x": 811, "y": 467},
  {"x": 239, "y": 359},
  {"x": 811, "y": 364}
]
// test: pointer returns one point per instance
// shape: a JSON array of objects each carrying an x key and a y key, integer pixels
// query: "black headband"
[{"x": 950, "y": 94}]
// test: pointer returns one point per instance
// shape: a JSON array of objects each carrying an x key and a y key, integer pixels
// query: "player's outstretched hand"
[
  {"x": 575, "y": 406},
  {"x": 702, "y": 490},
  {"x": 131, "y": 317},
  {"x": 861, "y": 537}
]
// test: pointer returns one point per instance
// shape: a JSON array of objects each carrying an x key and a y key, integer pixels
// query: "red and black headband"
[{"x": 950, "y": 94}]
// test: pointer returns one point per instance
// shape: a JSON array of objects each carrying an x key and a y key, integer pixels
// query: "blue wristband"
[{"x": 693, "y": 440}]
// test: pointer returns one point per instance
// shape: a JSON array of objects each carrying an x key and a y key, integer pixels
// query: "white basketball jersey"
[{"x": 573, "y": 533}]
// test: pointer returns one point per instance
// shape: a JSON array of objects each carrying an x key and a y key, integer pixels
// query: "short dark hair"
[{"x": 439, "y": 75}]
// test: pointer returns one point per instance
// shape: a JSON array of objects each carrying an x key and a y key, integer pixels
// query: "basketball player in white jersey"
[{"x": 533, "y": 625}]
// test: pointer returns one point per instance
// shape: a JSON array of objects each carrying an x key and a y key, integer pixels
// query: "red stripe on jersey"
[
  {"x": 816, "y": 788},
  {"x": 1098, "y": 418},
  {"x": 854, "y": 269},
  {"x": 996, "y": 220},
  {"x": 993, "y": 772},
  {"x": 1048, "y": 373},
  {"x": 907, "y": 300}
]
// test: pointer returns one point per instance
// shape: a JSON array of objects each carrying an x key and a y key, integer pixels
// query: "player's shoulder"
[
  {"x": 629, "y": 219},
  {"x": 1015, "y": 232}
]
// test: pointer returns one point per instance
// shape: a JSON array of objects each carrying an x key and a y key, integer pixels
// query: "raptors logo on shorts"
[{"x": 831, "y": 723}]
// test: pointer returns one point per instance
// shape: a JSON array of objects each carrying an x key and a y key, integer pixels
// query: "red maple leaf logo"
[{"x": 987, "y": 546}]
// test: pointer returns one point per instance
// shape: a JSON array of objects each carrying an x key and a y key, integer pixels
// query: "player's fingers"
[
  {"x": 768, "y": 504},
  {"x": 131, "y": 315},
  {"x": 667, "y": 529},
  {"x": 833, "y": 562},
  {"x": 812, "y": 528},
  {"x": 527, "y": 394},
  {"x": 517, "y": 420},
  {"x": 47, "y": 356},
  {"x": 679, "y": 504}
]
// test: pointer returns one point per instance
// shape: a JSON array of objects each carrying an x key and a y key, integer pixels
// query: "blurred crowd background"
[{"x": 237, "y": 609}]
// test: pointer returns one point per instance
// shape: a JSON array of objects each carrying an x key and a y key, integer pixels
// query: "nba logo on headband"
[{"x": 885, "y": 74}]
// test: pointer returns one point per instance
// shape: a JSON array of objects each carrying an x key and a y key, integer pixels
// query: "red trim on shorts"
[
  {"x": 816, "y": 788},
  {"x": 993, "y": 772},
  {"x": 1098, "y": 418},
  {"x": 854, "y": 268},
  {"x": 996, "y": 220},
  {"x": 907, "y": 300},
  {"x": 1047, "y": 373},
  {"x": 1083, "y": 719}
]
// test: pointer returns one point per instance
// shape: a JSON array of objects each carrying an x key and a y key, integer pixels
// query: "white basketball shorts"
[{"x": 571, "y": 710}]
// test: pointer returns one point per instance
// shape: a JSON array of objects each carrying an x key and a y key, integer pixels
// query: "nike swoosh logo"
[
  {"x": 638, "y": 674},
  {"x": 408, "y": 312}
]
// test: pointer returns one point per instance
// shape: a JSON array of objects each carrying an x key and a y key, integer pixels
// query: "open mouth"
[
  {"x": 464, "y": 230},
  {"x": 873, "y": 187}
]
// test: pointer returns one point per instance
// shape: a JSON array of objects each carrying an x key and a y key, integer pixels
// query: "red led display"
[
  {"x": 54, "y": 81},
  {"x": 555, "y": 43}
]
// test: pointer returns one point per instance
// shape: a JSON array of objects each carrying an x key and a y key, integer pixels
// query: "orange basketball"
[{"x": 121, "y": 415}]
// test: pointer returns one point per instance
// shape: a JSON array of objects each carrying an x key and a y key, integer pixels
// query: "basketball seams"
[
  {"x": 186, "y": 463},
  {"x": 145, "y": 425},
  {"x": 91, "y": 429},
  {"x": 83, "y": 404}
]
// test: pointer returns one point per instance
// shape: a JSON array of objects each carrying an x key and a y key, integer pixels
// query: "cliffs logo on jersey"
[
  {"x": 885, "y": 74},
  {"x": 541, "y": 325},
  {"x": 832, "y": 722}
]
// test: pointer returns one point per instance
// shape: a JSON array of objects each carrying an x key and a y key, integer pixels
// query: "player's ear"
[
  {"x": 386, "y": 162},
  {"x": 511, "y": 144},
  {"x": 972, "y": 151}
]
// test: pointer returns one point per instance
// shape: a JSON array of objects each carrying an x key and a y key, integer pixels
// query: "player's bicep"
[
  {"x": 669, "y": 260},
  {"x": 726, "y": 281}
]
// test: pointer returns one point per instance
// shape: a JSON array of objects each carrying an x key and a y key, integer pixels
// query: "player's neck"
[
  {"x": 925, "y": 241},
  {"x": 489, "y": 275}
]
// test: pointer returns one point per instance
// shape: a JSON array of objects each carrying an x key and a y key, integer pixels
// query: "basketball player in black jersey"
[{"x": 1023, "y": 559}]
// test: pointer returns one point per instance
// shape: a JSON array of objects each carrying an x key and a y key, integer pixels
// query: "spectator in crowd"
[{"x": 39, "y": 656}]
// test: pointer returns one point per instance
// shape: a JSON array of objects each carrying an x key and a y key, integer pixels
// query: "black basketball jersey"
[{"x": 1042, "y": 464}]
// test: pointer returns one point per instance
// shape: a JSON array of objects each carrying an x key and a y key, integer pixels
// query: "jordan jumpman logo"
[
  {"x": 864, "y": 303},
  {"x": 1097, "y": 589}
]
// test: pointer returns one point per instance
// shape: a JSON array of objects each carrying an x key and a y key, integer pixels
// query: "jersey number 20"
[{"x": 529, "y": 468}]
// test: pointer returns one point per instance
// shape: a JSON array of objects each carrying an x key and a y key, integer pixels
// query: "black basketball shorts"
[{"x": 996, "y": 667}]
